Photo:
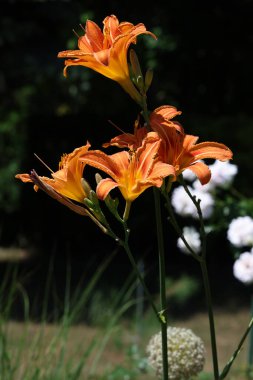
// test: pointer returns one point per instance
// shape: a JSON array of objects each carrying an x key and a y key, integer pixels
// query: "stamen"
[
  {"x": 82, "y": 28},
  {"x": 118, "y": 128},
  {"x": 43, "y": 163},
  {"x": 77, "y": 35}
]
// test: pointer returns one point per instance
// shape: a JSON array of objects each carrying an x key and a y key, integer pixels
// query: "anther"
[{"x": 77, "y": 35}]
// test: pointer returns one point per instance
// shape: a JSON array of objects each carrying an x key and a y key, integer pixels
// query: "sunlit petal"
[
  {"x": 105, "y": 186},
  {"x": 202, "y": 171},
  {"x": 211, "y": 150}
]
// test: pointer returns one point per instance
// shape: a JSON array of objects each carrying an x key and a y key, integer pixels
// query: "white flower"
[
  {"x": 189, "y": 175},
  {"x": 184, "y": 206},
  {"x": 208, "y": 187},
  {"x": 193, "y": 239},
  {"x": 243, "y": 267},
  {"x": 240, "y": 231},
  {"x": 186, "y": 353},
  {"x": 223, "y": 174}
]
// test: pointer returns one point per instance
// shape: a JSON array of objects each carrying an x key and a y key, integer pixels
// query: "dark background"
[{"x": 202, "y": 64}]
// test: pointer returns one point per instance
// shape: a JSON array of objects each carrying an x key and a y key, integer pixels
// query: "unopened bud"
[
  {"x": 94, "y": 198},
  {"x": 86, "y": 186},
  {"x": 88, "y": 203},
  {"x": 135, "y": 65},
  {"x": 140, "y": 83},
  {"x": 98, "y": 178},
  {"x": 148, "y": 79}
]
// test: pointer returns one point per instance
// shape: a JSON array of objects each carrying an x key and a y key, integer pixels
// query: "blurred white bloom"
[
  {"x": 223, "y": 174},
  {"x": 184, "y": 206},
  {"x": 193, "y": 239},
  {"x": 240, "y": 231},
  {"x": 203, "y": 188},
  {"x": 186, "y": 353},
  {"x": 188, "y": 175},
  {"x": 243, "y": 267}
]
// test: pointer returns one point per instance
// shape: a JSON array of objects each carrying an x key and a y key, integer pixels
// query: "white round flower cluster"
[
  {"x": 186, "y": 353},
  {"x": 240, "y": 231},
  {"x": 184, "y": 206},
  {"x": 243, "y": 268},
  {"x": 193, "y": 239}
]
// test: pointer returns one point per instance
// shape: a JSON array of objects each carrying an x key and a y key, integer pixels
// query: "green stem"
[
  {"x": 211, "y": 318},
  {"x": 127, "y": 249},
  {"x": 177, "y": 228},
  {"x": 162, "y": 278},
  {"x": 206, "y": 281},
  {"x": 233, "y": 357},
  {"x": 250, "y": 352},
  {"x": 125, "y": 245},
  {"x": 127, "y": 210}
]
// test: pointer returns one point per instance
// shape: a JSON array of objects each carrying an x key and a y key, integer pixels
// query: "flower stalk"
[
  {"x": 125, "y": 244},
  {"x": 205, "y": 281},
  {"x": 250, "y": 352},
  {"x": 162, "y": 278},
  {"x": 161, "y": 253}
]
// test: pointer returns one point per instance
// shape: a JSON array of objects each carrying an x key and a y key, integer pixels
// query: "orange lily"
[
  {"x": 106, "y": 52},
  {"x": 183, "y": 152},
  {"x": 132, "y": 172},
  {"x": 67, "y": 180}
]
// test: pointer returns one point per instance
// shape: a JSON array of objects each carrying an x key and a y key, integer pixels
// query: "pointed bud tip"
[{"x": 98, "y": 178}]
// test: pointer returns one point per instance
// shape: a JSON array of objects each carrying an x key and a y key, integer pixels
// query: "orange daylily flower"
[
  {"x": 67, "y": 180},
  {"x": 106, "y": 52},
  {"x": 132, "y": 172},
  {"x": 183, "y": 152}
]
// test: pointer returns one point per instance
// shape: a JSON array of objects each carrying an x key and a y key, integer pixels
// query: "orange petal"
[
  {"x": 211, "y": 150},
  {"x": 101, "y": 161},
  {"x": 121, "y": 161},
  {"x": 128, "y": 140},
  {"x": 202, "y": 171},
  {"x": 166, "y": 111},
  {"x": 162, "y": 170},
  {"x": 146, "y": 155},
  {"x": 26, "y": 178},
  {"x": 74, "y": 54},
  {"x": 111, "y": 27},
  {"x": 160, "y": 119},
  {"x": 93, "y": 35},
  {"x": 104, "y": 187},
  {"x": 189, "y": 141},
  {"x": 39, "y": 183}
]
